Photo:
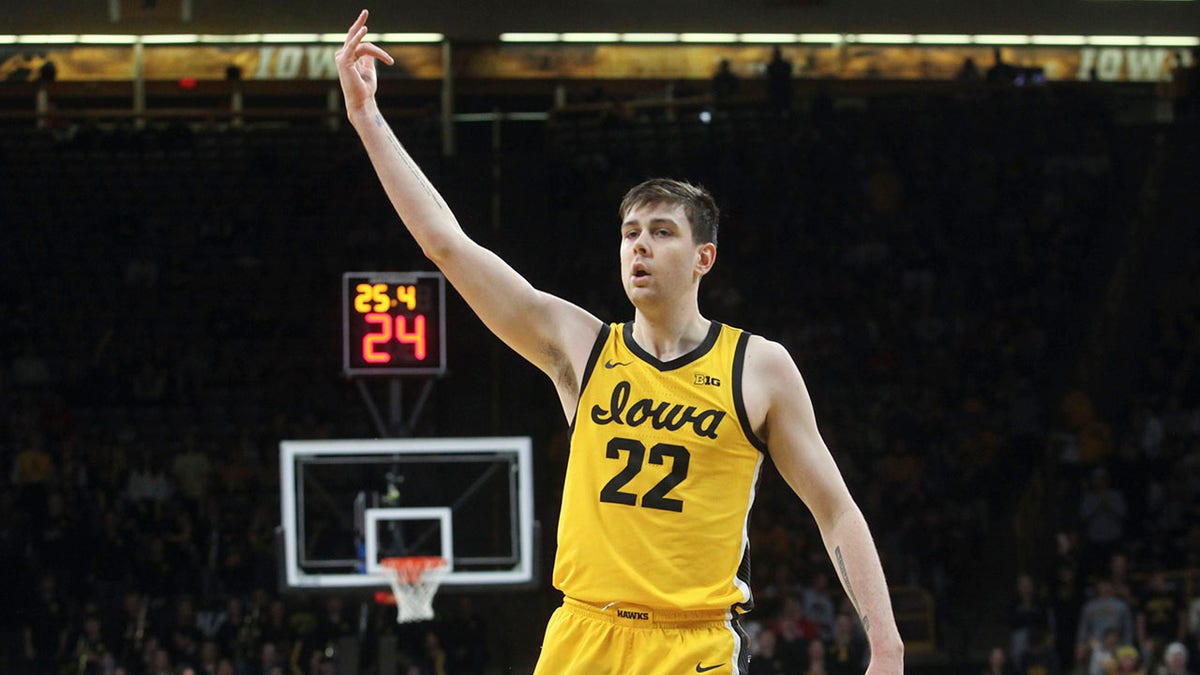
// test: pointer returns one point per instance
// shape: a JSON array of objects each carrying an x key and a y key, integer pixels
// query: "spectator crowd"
[{"x": 933, "y": 262}]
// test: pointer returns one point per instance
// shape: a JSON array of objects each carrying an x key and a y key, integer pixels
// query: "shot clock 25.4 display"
[{"x": 393, "y": 323}]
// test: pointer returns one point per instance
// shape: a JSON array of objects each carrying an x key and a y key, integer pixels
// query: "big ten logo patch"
[{"x": 706, "y": 380}]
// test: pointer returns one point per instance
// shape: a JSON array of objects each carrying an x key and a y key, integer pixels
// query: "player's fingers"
[
  {"x": 354, "y": 29},
  {"x": 349, "y": 52},
  {"x": 349, "y": 48},
  {"x": 373, "y": 50}
]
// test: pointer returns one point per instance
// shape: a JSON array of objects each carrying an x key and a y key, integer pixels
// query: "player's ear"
[{"x": 706, "y": 257}]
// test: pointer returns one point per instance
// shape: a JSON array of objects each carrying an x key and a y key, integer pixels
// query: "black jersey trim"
[
  {"x": 743, "y": 575},
  {"x": 714, "y": 331},
  {"x": 597, "y": 347},
  {"x": 739, "y": 402}
]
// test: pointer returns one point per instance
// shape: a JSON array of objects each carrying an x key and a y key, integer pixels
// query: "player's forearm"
[
  {"x": 417, "y": 202},
  {"x": 856, "y": 561}
]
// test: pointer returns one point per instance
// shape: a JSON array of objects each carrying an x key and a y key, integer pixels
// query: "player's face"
[{"x": 659, "y": 260}]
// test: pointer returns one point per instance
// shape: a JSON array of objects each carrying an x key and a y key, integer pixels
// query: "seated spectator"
[
  {"x": 1161, "y": 614},
  {"x": 160, "y": 663},
  {"x": 1039, "y": 658},
  {"x": 818, "y": 604},
  {"x": 765, "y": 660},
  {"x": 816, "y": 658},
  {"x": 794, "y": 622},
  {"x": 1128, "y": 661},
  {"x": 998, "y": 663},
  {"x": 1029, "y": 614},
  {"x": 1103, "y": 613},
  {"x": 846, "y": 653},
  {"x": 1103, "y": 512},
  {"x": 148, "y": 486},
  {"x": 1102, "y": 653},
  {"x": 1175, "y": 661},
  {"x": 1119, "y": 575},
  {"x": 90, "y": 651}
]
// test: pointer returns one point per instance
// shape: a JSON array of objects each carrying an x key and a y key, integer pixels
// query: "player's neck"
[{"x": 668, "y": 335}]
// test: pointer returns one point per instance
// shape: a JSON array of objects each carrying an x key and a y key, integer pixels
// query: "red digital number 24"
[{"x": 385, "y": 334}]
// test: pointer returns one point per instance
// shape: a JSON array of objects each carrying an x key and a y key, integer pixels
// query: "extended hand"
[{"x": 356, "y": 65}]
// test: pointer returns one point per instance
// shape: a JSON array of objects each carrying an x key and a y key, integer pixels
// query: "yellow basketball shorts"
[{"x": 622, "y": 639}]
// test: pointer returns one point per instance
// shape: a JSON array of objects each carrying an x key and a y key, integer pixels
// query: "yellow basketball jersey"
[{"x": 661, "y": 477}]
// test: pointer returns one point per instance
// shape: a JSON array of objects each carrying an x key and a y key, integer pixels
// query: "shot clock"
[{"x": 393, "y": 323}]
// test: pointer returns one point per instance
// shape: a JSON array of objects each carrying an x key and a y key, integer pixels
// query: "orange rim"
[{"x": 412, "y": 568}]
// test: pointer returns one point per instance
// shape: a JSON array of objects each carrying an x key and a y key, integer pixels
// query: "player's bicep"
[{"x": 549, "y": 332}]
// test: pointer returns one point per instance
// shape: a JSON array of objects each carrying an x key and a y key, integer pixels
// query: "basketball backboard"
[{"x": 347, "y": 504}]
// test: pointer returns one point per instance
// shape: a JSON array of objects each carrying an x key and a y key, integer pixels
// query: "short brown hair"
[{"x": 698, "y": 204}]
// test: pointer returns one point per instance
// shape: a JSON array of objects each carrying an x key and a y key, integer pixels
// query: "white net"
[{"x": 414, "y": 582}]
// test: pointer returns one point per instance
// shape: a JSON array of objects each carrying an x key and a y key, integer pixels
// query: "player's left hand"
[{"x": 356, "y": 65}]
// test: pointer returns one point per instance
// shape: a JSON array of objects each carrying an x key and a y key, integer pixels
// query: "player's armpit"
[{"x": 553, "y": 334}]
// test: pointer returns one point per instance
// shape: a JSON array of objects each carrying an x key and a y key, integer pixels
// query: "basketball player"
[{"x": 671, "y": 415}]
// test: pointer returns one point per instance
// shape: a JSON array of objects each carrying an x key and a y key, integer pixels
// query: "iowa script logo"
[{"x": 660, "y": 414}]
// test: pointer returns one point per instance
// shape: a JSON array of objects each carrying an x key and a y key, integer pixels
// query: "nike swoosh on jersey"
[
  {"x": 705, "y": 669},
  {"x": 613, "y": 364}
]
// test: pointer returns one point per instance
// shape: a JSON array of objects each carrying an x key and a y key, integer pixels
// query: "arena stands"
[{"x": 940, "y": 262}]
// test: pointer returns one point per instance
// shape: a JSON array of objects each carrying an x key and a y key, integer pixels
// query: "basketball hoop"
[{"x": 414, "y": 582}]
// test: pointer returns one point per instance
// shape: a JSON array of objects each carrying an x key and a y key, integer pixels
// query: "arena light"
[
  {"x": 821, "y": 38},
  {"x": 171, "y": 39},
  {"x": 106, "y": 39},
  {"x": 590, "y": 37},
  {"x": 277, "y": 38},
  {"x": 601, "y": 37},
  {"x": 529, "y": 37},
  {"x": 711, "y": 38},
  {"x": 942, "y": 39},
  {"x": 1114, "y": 40},
  {"x": 768, "y": 38},
  {"x": 242, "y": 38},
  {"x": 61, "y": 39},
  {"x": 650, "y": 37},
  {"x": 410, "y": 37},
  {"x": 1058, "y": 40},
  {"x": 1172, "y": 41},
  {"x": 1000, "y": 39},
  {"x": 882, "y": 38}
]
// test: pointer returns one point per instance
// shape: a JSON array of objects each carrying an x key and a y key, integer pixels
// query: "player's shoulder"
[
  {"x": 768, "y": 362},
  {"x": 770, "y": 376},
  {"x": 764, "y": 349}
]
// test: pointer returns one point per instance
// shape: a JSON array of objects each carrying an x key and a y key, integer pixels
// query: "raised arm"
[
  {"x": 778, "y": 405},
  {"x": 554, "y": 335}
]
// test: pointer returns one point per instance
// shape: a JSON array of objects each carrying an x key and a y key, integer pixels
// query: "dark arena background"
[{"x": 973, "y": 224}]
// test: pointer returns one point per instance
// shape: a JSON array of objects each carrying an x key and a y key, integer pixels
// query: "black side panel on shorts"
[{"x": 743, "y": 662}]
